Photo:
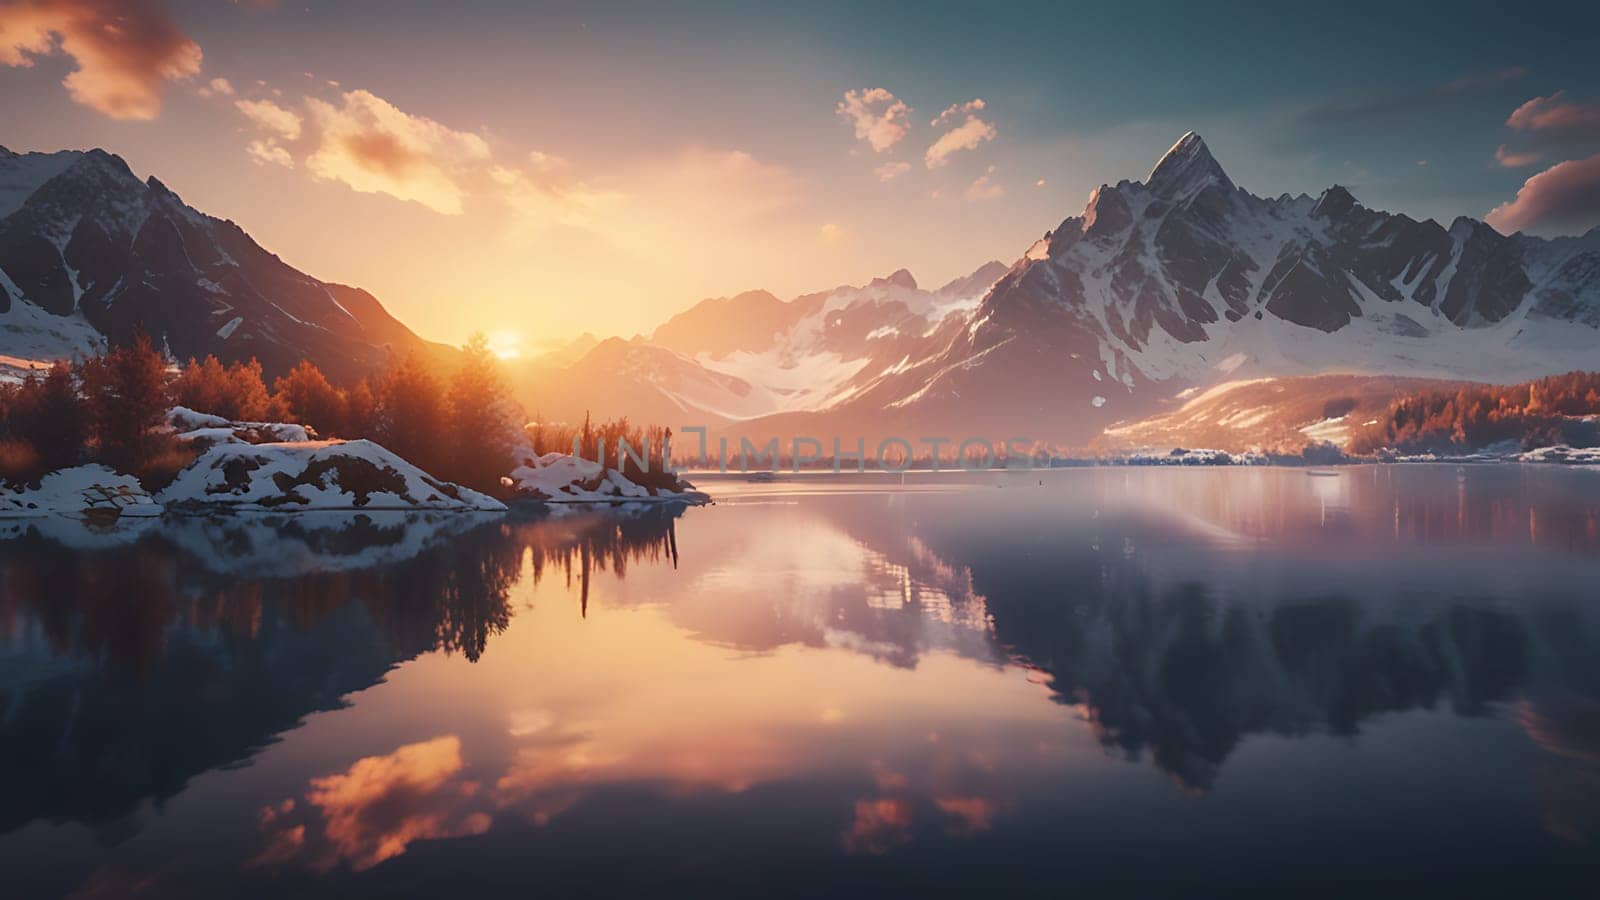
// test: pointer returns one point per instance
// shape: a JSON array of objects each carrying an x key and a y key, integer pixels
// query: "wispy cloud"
[
  {"x": 1562, "y": 198},
  {"x": 124, "y": 50},
  {"x": 272, "y": 118},
  {"x": 957, "y": 111},
  {"x": 1390, "y": 104},
  {"x": 891, "y": 170},
  {"x": 217, "y": 87},
  {"x": 265, "y": 151},
  {"x": 880, "y": 118},
  {"x": 985, "y": 187},
  {"x": 544, "y": 192}
]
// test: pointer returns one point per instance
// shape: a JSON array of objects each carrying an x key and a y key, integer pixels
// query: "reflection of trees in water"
[
  {"x": 127, "y": 670},
  {"x": 582, "y": 543}
]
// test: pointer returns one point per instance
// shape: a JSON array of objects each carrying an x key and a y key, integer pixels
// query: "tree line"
[
  {"x": 1538, "y": 413},
  {"x": 111, "y": 408}
]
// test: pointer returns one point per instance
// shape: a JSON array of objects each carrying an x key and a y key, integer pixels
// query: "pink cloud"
[
  {"x": 1553, "y": 113},
  {"x": 880, "y": 118},
  {"x": 1562, "y": 198},
  {"x": 1513, "y": 159},
  {"x": 124, "y": 49}
]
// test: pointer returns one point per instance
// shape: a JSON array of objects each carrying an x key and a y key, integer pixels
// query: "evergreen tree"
[
  {"x": 412, "y": 417},
  {"x": 480, "y": 420},
  {"x": 360, "y": 410}
]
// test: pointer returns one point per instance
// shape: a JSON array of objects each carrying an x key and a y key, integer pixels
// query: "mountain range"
[
  {"x": 1159, "y": 291},
  {"x": 88, "y": 252}
]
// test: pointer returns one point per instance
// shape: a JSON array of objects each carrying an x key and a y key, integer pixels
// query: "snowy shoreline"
[{"x": 273, "y": 467}]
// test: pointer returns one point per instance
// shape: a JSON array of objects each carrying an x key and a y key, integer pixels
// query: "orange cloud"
[
  {"x": 1562, "y": 198},
  {"x": 124, "y": 49},
  {"x": 267, "y": 150},
  {"x": 891, "y": 170},
  {"x": 271, "y": 117},
  {"x": 966, "y": 136},
  {"x": 374, "y": 810},
  {"x": 880, "y": 118},
  {"x": 374, "y": 147}
]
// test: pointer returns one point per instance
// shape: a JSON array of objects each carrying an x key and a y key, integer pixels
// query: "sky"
[{"x": 535, "y": 171}]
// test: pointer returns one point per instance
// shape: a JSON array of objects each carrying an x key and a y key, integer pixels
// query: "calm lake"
[{"x": 1129, "y": 682}]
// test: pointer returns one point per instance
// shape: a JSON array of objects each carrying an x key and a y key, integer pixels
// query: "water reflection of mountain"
[
  {"x": 129, "y": 664},
  {"x": 1178, "y": 643}
]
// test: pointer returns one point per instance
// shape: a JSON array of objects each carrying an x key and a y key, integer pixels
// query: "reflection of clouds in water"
[
  {"x": 1568, "y": 778},
  {"x": 375, "y": 809},
  {"x": 879, "y": 825},
  {"x": 810, "y": 583},
  {"x": 957, "y": 792}
]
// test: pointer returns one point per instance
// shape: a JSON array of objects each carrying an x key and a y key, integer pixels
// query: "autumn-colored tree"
[
  {"x": 304, "y": 396},
  {"x": 360, "y": 410},
  {"x": 412, "y": 416},
  {"x": 235, "y": 392},
  {"x": 47, "y": 422},
  {"x": 127, "y": 397},
  {"x": 1557, "y": 409},
  {"x": 480, "y": 420}
]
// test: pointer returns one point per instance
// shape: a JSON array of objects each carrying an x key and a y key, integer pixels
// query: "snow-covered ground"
[
  {"x": 561, "y": 478},
  {"x": 1564, "y": 455},
  {"x": 197, "y": 427},
  {"x": 311, "y": 475},
  {"x": 92, "y": 490},
  {"x": 1199, "y": 457}
]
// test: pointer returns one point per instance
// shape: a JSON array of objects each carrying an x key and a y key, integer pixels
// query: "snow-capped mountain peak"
[
  {"x": 1185, "y": 169},
  {"x": 901, "y": 278}
]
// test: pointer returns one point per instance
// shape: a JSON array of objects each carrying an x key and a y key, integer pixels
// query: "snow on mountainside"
[
  {"x": 88, "y": 251},
  {"x": 740, "y": 358},
  {"x": 1188, "y": 280},
  {"x": 1279, "y": 415},
  {"x": 1184, "y": 280}
]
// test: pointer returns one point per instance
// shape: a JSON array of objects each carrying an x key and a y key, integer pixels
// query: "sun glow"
[{"x": 505, "y": 344}]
